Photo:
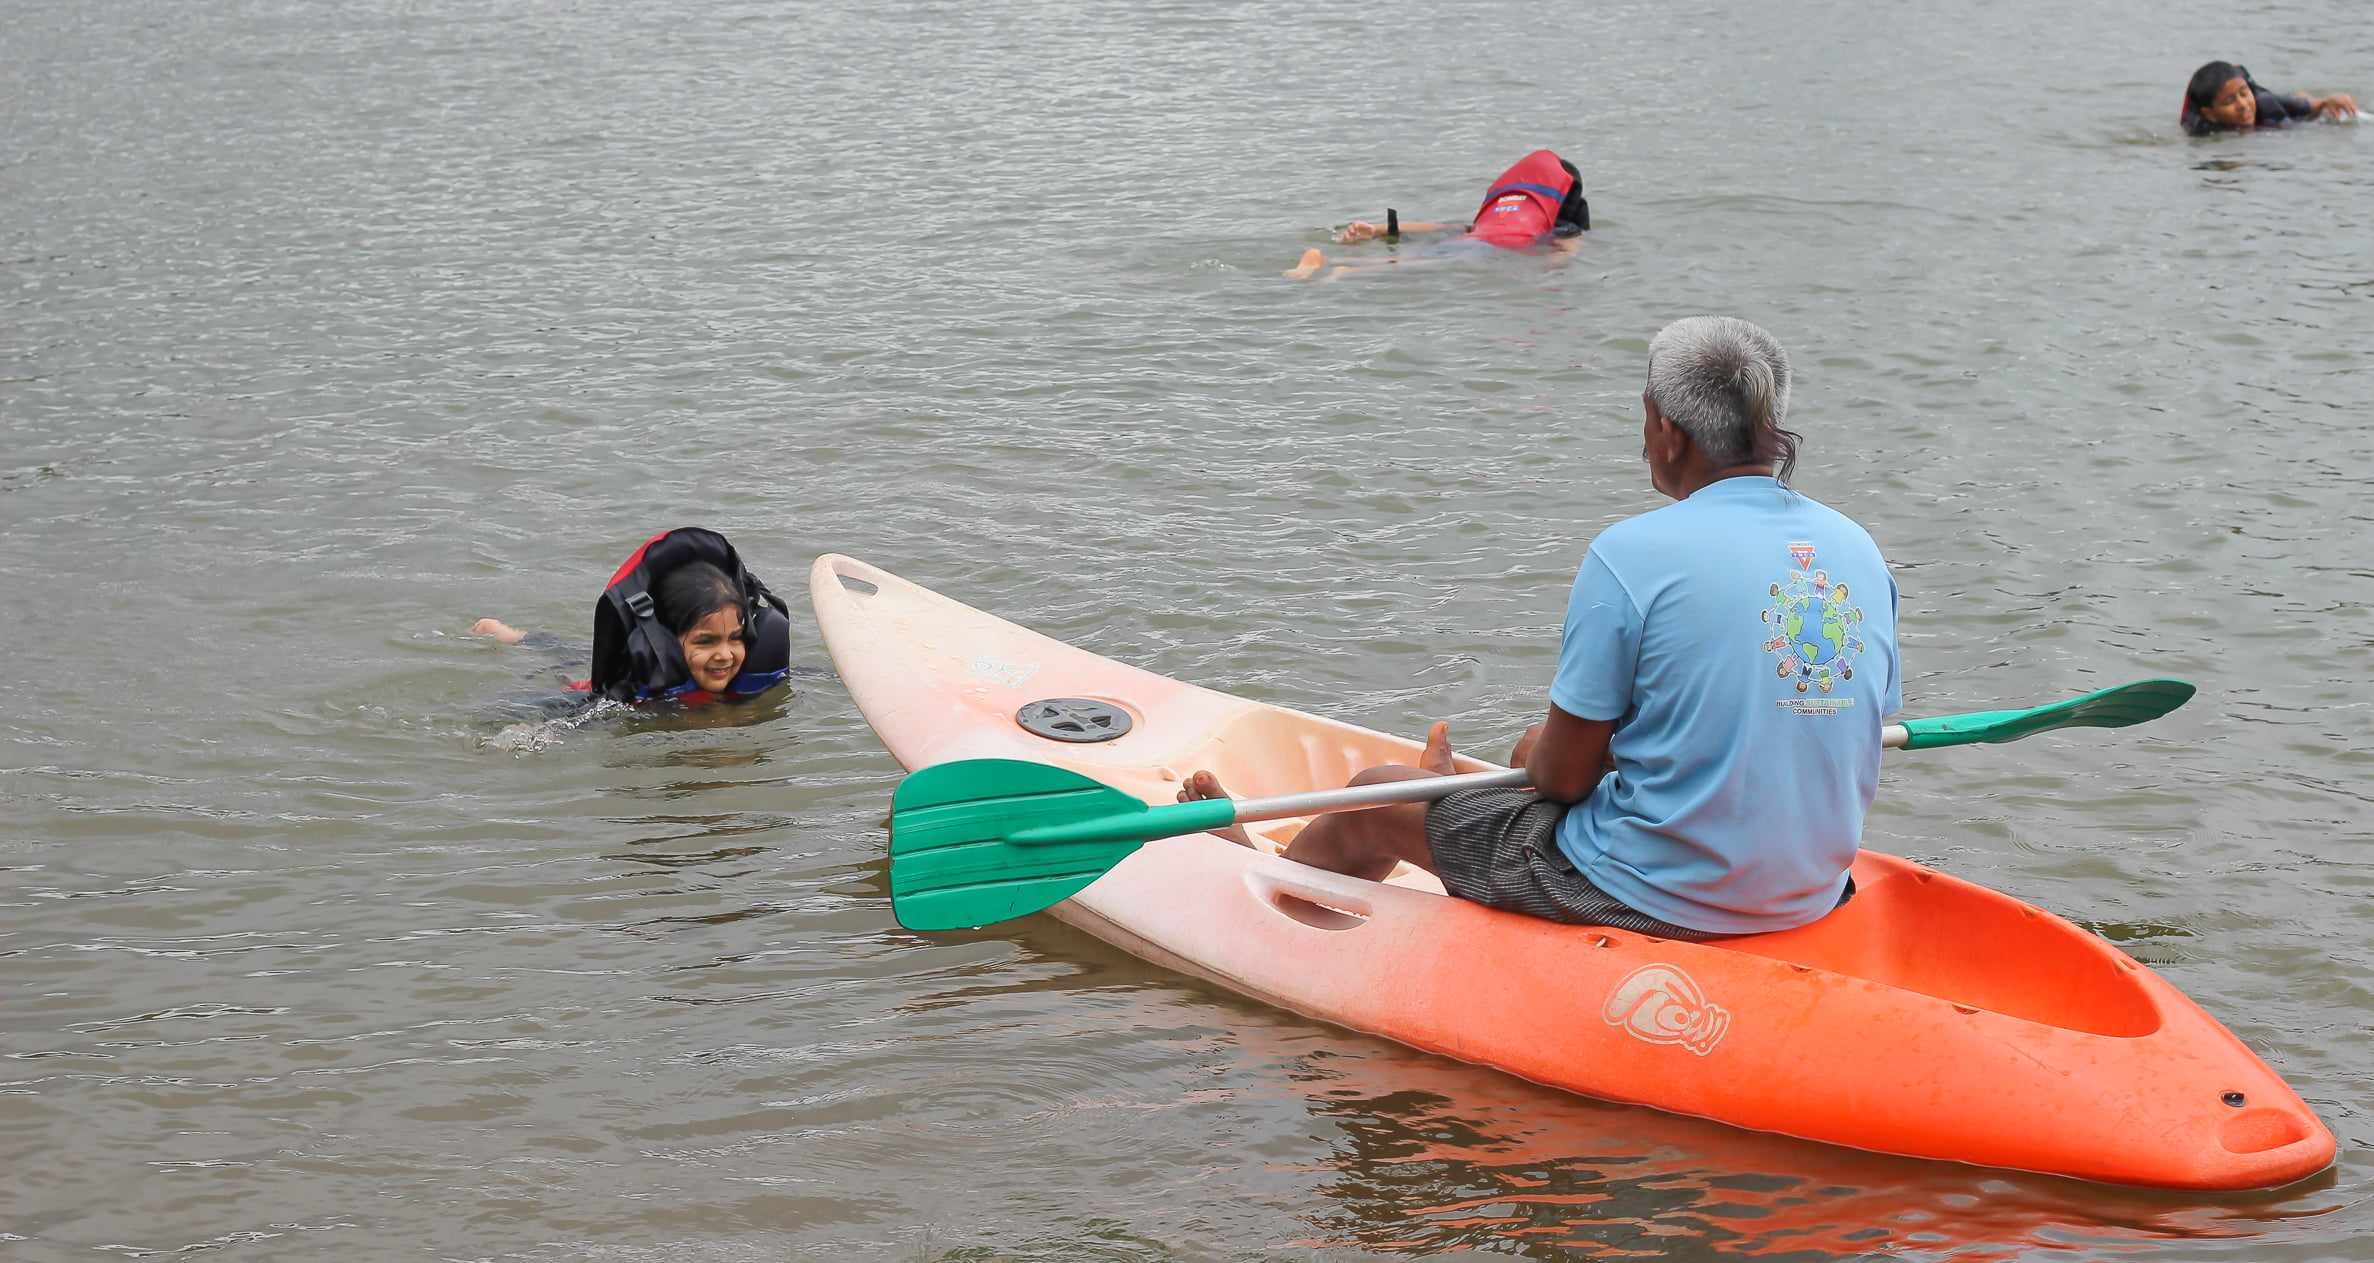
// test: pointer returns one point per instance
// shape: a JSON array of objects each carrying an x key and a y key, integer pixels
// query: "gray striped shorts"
[{"x": 1499, "y": 847}]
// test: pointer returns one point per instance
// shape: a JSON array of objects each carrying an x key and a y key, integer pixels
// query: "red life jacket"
[{"x": 1522, "y": 208}]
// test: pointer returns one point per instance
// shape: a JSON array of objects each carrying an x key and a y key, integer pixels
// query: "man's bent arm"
[{"x": 1566, "y": 755}]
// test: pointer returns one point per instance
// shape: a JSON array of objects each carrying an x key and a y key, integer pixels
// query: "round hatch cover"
[{"x": 1073, "y": 719}]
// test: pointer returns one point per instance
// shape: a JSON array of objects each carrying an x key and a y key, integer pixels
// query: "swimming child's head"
[
  {"x": 702, "y": 605},
  {"x": 2221, "y": 92},
  {"x": 1574, "y": 213}
]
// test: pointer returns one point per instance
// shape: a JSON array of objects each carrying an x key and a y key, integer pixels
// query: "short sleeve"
[
  {"x": 1894, "y": 701},
  {"x": 1600, "y": 651}
]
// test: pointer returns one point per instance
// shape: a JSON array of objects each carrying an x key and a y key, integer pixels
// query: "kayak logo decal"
[
  {"x": 1013, "y": 675},
  {"x": 1662, "y": 1005}
]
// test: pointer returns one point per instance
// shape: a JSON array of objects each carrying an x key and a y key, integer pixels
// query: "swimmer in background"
[
  {"x": 1538, "y": 203},
  {"x": 2222, "y": 97},
  {"x": 683, "y": 619}
]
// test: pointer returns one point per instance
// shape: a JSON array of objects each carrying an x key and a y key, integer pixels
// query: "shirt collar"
[{"x": 1746, "y": 484}]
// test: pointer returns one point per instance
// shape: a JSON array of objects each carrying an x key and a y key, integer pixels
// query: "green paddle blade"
[
  {"x": 2107, "y": 708},
  {"x": 985, "y": 840}
]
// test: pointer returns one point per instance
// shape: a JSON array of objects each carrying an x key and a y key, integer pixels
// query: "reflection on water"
[{"x": 1434, "y": 1157}]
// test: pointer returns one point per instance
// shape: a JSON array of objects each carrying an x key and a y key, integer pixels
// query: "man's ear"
[{"x": 1672, "y": 440}]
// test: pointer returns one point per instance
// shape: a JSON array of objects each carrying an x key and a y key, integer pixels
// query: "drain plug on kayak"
[
  {"x": 2235, "y": 1099},
  {"x": 1075, "y": 719}
]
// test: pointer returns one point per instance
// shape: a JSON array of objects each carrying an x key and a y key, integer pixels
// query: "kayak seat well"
[
  {"x": 1262, "y": 752},
  {"x": 1936, "y": 935}
]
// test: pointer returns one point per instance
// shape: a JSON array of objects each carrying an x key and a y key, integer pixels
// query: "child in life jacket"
[
  {"x": 2222, "y": 97},
  {"x": 1537, "y": 203},
  {"x": 683, "y": 619}
]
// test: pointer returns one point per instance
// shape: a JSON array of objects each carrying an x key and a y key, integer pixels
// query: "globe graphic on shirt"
[
  {"x": 1815, "y": 631},
  {"x": 1813, "y": 627}
]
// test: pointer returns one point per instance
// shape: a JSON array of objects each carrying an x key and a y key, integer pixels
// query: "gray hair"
[{"x": 1725, "y": 382}]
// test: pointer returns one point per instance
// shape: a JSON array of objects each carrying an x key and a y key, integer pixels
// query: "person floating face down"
[
  {"x": 685, "y": 620},
  {"x": 1537, "y": 203},
  {"x": 2222, "y": 97},
  {"x": 1712, "y": 739}
]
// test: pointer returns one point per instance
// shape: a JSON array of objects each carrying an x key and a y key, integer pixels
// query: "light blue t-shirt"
[{"x": 1745, "y": 641}]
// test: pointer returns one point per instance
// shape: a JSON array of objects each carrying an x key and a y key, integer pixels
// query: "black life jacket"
[{"x": 637, "y": 659}]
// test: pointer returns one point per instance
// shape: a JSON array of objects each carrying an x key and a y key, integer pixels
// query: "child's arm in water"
[
  {"x": 1362, "y": 230},
  {"x": 498, "y": 629}
]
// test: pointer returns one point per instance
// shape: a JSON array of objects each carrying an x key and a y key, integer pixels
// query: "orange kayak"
[{"x": 1929, "y": 1017}]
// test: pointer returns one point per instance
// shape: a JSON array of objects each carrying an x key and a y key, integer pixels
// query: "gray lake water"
[{"x": 331, "y": 327}]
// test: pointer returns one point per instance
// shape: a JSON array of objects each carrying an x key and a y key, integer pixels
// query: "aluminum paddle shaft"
[{"x": 1414, "y": 790}]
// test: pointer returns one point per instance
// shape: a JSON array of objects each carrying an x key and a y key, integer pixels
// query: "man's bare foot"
[
  {"x": 1203, "y": 785},
  {"x": 1436, "y": 758},
  {"x": 498, "y": 629},
  {"x": 1312, "y": 261}
]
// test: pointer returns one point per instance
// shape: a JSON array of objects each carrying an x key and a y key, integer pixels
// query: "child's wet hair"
[
  {"x": 2206, "y": 81},
  {"x": 1574, "y": 214},
  {"x": 692, "y": 592}
]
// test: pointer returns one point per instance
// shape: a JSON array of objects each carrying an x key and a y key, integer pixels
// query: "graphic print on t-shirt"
[{"x": 1814, "y": 629}]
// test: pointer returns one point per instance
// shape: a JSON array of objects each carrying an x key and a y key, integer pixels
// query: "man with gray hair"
[{"x": 1712, "y": 740}]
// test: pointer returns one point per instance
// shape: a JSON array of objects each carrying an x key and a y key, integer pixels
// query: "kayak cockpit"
[{"x": 1922, "y": 931}]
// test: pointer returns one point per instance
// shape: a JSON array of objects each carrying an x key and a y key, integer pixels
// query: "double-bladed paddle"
[{"x": 985, "y": 840}]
